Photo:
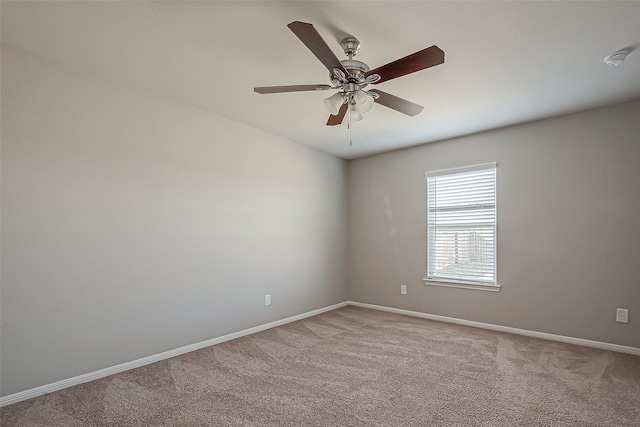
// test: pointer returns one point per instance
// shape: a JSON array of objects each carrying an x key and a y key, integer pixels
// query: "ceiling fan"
[{"x": 351, "y": 76}]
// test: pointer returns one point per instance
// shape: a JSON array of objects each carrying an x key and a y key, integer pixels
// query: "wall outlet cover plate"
[{"x": 622, "y": 315}]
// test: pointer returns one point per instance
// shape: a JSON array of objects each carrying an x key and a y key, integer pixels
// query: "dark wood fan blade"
[
  {"x": 421, "y": 60},
  {"x": 398, "y": 104},
  {"x": 316, "y": 44},
  {"x": 292, "y": 88},
  {"x": 337, "y": 119}
]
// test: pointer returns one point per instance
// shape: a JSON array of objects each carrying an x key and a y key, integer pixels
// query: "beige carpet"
[{"x": 358, "y": 367}]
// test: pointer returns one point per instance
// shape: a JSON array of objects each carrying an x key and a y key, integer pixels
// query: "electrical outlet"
[
  {"x": 622, "y": 315},
  {"x": 267, "y": 299},
  {"x": 403, "y": 289}
]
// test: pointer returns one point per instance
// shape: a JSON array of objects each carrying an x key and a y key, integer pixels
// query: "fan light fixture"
[
  {"x": 333, "y": 103},
  {"x": 355, "y": 116},
  {"x": 363, "y": 102},
  {"x": 359, "y": 102}
]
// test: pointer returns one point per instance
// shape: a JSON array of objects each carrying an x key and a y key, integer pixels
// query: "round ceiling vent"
[{"x": 616, "y": 58}]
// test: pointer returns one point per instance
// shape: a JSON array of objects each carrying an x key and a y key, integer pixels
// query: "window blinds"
[{"x": 461, "y": 225}]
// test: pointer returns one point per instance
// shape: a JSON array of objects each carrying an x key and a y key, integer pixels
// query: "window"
[{"x": 461, "y": 227}]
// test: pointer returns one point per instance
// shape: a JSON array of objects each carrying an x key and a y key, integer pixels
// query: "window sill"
[{"x": 472, "y": 286}]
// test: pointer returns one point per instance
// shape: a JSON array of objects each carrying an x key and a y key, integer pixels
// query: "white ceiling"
[{"x": 505, "y": 63}]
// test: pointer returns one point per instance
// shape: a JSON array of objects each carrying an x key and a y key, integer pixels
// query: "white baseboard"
[
  {"x": 80, "y": 379},
  {"x": 91, "y": 376},
  {"x": 517, "y": 331}
]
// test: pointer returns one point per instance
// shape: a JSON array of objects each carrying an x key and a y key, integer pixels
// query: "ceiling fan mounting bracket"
[{"x": 350, "y": 45}]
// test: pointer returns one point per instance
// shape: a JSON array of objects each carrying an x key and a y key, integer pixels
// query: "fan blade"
[
  {"x": 312, "y": 39},
  {"x": 337, "y": 119},
  {"x": 292, "y": 88},
  {"x": 398, "y": 104},
  {"x": 421, "y": 60}
]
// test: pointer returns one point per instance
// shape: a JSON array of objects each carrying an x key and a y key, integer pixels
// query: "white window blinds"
[{"x": 461, "y": 225}]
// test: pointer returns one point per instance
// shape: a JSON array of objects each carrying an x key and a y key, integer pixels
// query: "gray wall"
[
  {"x": 568, "y": 226},
  {"x": 133, "y": 225}
]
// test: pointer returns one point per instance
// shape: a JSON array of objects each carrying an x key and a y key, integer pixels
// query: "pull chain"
[{"x": 349, "y": 126}]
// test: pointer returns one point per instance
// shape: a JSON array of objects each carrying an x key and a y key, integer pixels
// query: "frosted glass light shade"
[
  {"x": 356, "y": 116},
  {"x": 333, "y": 103},
  {"x": 364, "y": 102}
]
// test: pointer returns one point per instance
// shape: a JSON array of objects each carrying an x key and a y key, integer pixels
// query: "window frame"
[{"x": 459, "y": 283}]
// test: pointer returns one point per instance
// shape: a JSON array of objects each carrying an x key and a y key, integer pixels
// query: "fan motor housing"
[{"x": 356, "y": 69}]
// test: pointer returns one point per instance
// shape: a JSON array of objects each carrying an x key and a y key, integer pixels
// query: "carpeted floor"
[{"x": 358, "y": 367}]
